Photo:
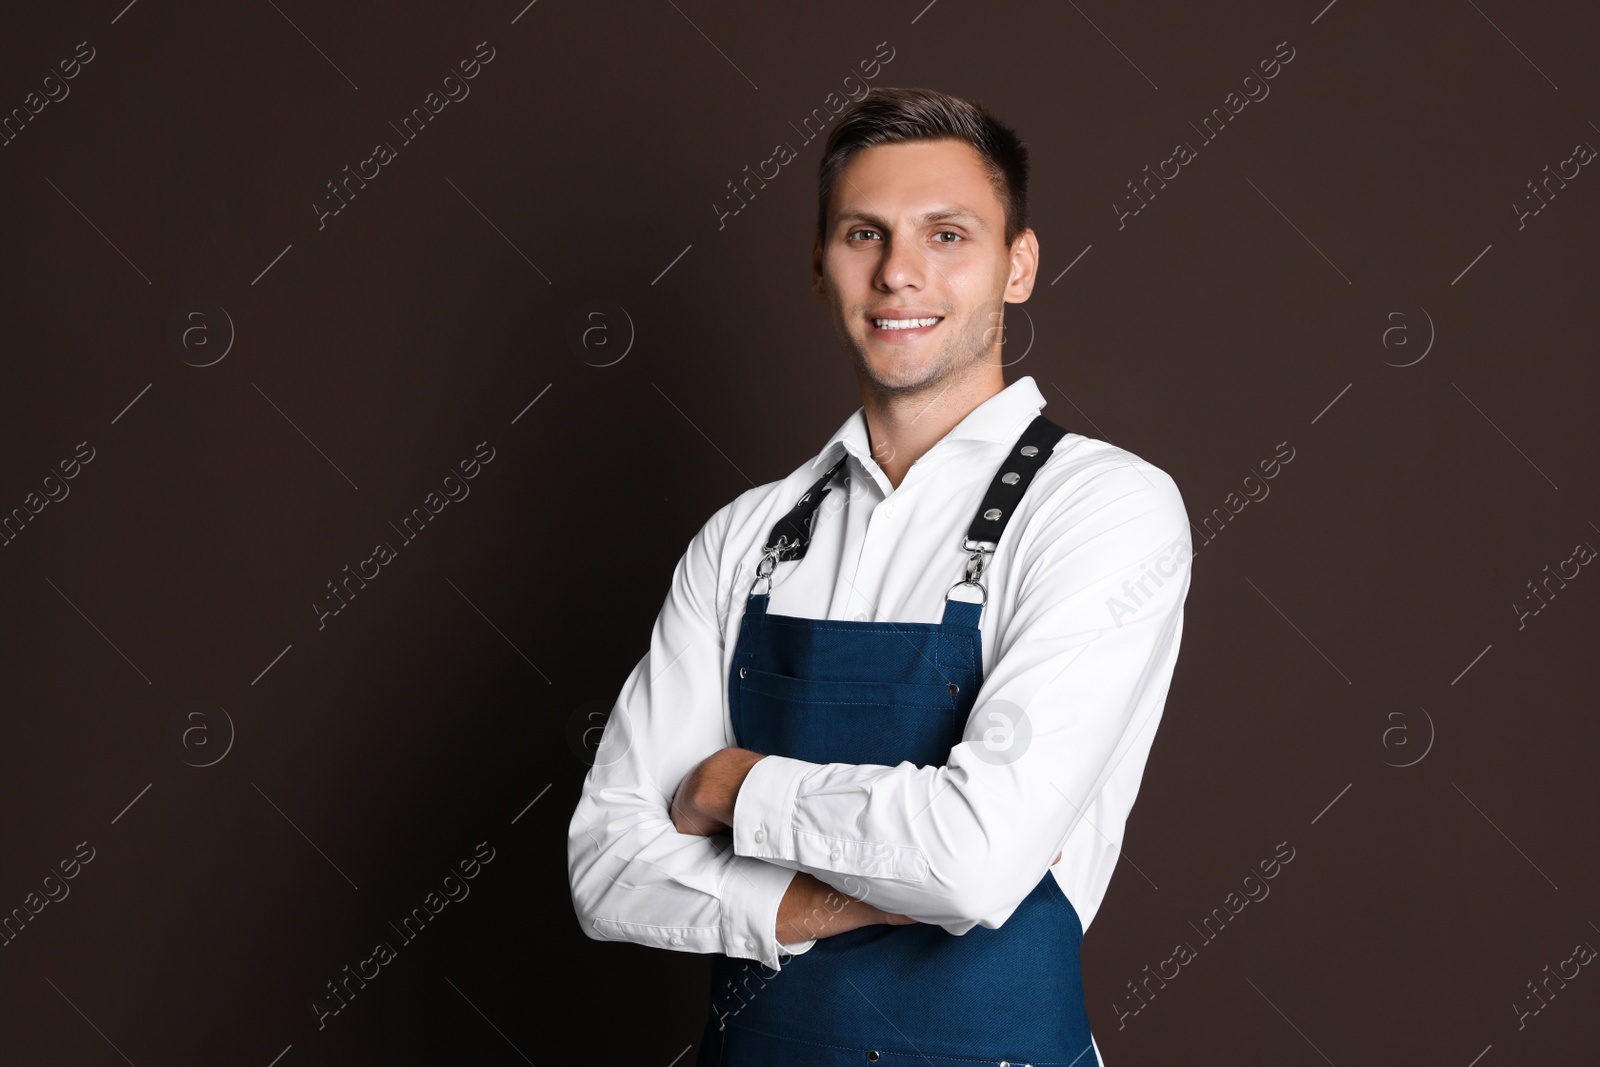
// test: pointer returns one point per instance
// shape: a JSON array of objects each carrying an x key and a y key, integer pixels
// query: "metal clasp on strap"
[
  {"x": 978, "y": 553},
  {"x": 768, "y": 563},
  {"x": 978, "y": 558}
]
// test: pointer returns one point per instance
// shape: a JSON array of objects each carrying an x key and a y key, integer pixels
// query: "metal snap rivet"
[
  {"x": 872, "y": 1057},
  {"x": 1010, "y": 478},
  {"x": 1030, "y": 450},
  {"x": 742, "y": 671},
  {"x": 992, "y": 514},
  {"x": 954, "y": 689}
]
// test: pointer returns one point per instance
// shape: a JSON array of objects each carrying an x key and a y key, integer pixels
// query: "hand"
[
  {"x": 811, "y": 908},
  {"x": 703, "y": 803}
]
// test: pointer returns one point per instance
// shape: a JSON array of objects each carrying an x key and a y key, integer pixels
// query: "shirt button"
[
  {"x": 861, "y": 616},
  {"x": 750, "y": 943},
  {"x": 675, "y": 939},
  {"x": 836, "y": 855},
  {"x": 761, "y": 836}
]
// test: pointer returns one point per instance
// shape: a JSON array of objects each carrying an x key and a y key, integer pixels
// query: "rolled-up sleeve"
[
  {"x": 1081, "y": 671},
  {"x": 633, "y": 876}
]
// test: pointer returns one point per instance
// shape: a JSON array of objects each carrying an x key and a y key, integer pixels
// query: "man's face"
[{"x": 916, "y": 231}]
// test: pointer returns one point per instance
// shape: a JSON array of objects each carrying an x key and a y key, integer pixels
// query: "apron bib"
[{"x": 841, "y": 691}]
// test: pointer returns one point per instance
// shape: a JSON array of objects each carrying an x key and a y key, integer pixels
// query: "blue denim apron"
[{"x": 834, "y": 691}]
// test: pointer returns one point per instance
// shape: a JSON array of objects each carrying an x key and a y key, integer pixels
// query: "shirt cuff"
[
  {"x": 751, "y": 896},
  {"x": 763, "y": 812}
]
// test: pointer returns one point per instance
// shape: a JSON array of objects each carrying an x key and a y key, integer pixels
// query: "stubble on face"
[{"x": 962, "y": 350}]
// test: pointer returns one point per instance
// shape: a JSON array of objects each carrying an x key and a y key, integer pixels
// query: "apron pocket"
[{"x": 877, "y": 722}]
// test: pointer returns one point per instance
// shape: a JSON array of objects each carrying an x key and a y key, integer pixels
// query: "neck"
[{"x": 902, "y": 426}]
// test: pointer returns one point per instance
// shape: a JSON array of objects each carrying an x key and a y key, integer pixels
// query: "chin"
[{"x": 902, "y": 374}]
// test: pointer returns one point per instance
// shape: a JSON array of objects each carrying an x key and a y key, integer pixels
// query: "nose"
[{"x": 904, "y": 264}]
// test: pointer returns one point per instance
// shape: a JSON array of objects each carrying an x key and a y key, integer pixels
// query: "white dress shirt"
[{"x": 1084, "y": 614}]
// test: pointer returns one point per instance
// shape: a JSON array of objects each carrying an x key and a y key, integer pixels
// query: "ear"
[
  {"x": 1024, "y": 267},
  {"x": 817, "y": 289}
]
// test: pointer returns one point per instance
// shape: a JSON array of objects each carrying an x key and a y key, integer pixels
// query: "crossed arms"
[{"x": 1083, "y": 654}]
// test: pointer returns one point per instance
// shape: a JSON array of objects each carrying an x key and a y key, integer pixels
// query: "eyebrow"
[{"x": 948, "y": 214}]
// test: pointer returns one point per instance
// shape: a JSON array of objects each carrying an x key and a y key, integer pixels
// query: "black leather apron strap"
[
  {"x": 791, "y": 535},
  {"x": 1011, "y": 481},
  {"x": 1000, "y": 500}
]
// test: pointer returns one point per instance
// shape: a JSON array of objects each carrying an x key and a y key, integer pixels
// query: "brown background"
[{"x": 1376, "y": 580}]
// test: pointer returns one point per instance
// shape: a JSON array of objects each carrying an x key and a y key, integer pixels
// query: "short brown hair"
[{"x": 891, "y": 115}]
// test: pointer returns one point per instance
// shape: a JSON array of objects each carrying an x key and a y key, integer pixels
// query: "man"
[{"x": 896, "y": 707}]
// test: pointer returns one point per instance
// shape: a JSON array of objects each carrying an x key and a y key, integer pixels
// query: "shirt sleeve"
[
  {"x": 633, "y": 876},
  {"x": 1081, "y": 670}
]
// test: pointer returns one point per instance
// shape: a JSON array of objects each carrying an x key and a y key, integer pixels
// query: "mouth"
[{"x": 901, "y": 328}]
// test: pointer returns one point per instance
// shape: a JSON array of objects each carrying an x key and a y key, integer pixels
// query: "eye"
[
  {"x": 853, "y": 233},
  {"x": 949, "y": 233}
]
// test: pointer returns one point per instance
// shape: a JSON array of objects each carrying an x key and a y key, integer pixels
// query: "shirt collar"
[{"x": 997, "y": 420}]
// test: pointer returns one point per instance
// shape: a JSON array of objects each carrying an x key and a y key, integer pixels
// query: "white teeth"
[{"x": 902, "y": 324}]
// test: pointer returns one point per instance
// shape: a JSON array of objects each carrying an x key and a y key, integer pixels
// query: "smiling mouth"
[{"x": 907, "y": 324}]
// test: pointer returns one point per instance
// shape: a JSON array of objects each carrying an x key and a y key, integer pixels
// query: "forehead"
[{"x": 907, "y": 179}]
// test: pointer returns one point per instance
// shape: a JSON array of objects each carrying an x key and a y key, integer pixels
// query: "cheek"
[
  {"x": 970, "y": 289},
  {"x": 976, "y": 320},
  {"x": 846, "y": 276},
  {"x": 844, "y": 303}
]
